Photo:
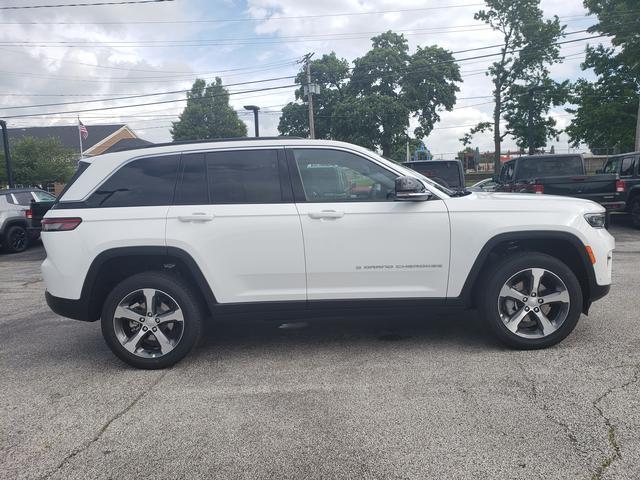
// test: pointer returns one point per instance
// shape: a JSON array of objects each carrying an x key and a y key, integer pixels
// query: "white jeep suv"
[{"x": 153, "y": 241}]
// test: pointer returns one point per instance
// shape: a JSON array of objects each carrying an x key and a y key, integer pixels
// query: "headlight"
[{"x": 596, "y": 220}]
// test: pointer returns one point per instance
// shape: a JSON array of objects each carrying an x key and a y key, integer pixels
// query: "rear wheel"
[
  {"x": 151, "y": 321},
  {"x": 16, "y": 239},
  {"x": 531, "y": 301},
  {"x": 634, "y": 210}
]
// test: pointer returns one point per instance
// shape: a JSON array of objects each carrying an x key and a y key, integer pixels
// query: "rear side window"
[
  {"x": 549, "y": 167},
  {"x": 628, "y": 164},
  {"x": 192, "y": 183},
  {"x": 43, "y": 196},
  {"x": 244, "y": 176},
  {"x": 140, "y": 183},
  {"x": 23, "y": 198}
]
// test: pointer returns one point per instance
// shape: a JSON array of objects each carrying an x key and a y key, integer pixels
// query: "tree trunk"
[{"x": 496, "y": 132}]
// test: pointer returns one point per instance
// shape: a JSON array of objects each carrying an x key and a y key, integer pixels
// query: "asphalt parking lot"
[{"x": 345, "y": 398}]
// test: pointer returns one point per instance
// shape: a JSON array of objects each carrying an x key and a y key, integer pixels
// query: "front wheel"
[
  {"x": 531, "y": 300},
  {"x": 151, "y": 321}
]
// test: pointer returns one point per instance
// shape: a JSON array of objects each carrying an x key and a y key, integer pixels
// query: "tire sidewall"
[
  {"x": 7, "y": 239},
  {"x": 510, "y": 266},
  {"x": 189, "y": 305}
]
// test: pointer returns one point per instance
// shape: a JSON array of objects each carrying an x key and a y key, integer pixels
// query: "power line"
[
  {"x": 98, "y": 4},
  {"x": 149, "y": 103},
  {"x": 142, "y": 95},
  {"x": 228, "y": 20}
]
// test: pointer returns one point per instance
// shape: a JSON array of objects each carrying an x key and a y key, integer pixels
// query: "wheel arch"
[
  {"x": 114, "y": 265},
  {"x": 564, "y": 246}
]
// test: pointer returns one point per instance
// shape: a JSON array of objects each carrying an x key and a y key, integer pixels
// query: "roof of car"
[
  {"x": 18, "y": 190},
  {"x": 427, "y": 162},
  {"x": 624, "y": 154},
  {"x": 550, "y": 155}
]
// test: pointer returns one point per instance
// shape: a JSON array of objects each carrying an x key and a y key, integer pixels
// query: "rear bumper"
[{"x": 65, "y": 307}]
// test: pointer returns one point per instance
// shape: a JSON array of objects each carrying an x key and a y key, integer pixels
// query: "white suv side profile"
[{"x": 155, "y": 240}]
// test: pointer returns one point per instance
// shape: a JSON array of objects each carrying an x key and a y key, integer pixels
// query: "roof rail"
[{"x": 210, "y": 140}]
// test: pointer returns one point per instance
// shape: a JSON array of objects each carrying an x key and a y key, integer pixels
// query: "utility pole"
[
  {"x": 309, "y": 88},
  {"x": 638, "y": 127},
  {"x": 7, "y": 154}
]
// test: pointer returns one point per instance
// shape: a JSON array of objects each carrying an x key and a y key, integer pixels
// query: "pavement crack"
[
  {"x": 614, "y": 443},
  {"x": 542, "y": 405},
  {"x": 76, "y": 451}
]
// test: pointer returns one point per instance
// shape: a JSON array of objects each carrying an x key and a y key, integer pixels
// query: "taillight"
[
  {"x": 620, "y": 186},
  {"x": 60, "y": 224},
  {"x": 538, "y": 188},
  {"x": 28, "y": 214}
]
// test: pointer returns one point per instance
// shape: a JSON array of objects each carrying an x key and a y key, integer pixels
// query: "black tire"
[
  {"x": 16, "y": 239},
  {"x": 499, "y": 274},
  {"x": 634, "y": 211},
  {"x": 189, "y": 304}
]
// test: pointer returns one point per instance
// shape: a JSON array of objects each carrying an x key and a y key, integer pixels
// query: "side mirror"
[{"x": 411, "y": 189}]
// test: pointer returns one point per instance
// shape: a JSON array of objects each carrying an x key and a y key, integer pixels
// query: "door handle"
[
  {"x": 326, "y": 214},
  {"x": 196, "y": 217}
]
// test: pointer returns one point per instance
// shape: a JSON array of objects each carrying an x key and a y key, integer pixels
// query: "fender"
[
  {"x": 91, "y": 309},
  {"x": 466, "y": 295}
]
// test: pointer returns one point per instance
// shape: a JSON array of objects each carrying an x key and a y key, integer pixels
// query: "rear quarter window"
[{"x": 140, "y": 183}]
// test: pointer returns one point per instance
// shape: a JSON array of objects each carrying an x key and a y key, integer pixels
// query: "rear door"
[
  {"x": 234, "y": 214},
  {"x": 359, "y": 242}
]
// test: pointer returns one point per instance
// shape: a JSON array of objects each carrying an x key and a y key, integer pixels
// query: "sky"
[{"x": 88, "y": 53}]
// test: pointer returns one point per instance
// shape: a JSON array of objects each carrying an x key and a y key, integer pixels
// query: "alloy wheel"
[
  {"x": 148, "y": 323},
  {"x": 18, "y": 239},
  {"x": 533, "y": 303}
]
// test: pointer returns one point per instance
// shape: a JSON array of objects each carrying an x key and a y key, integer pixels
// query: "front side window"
[
  {"x": 141, "y": 183},
  {"x": 336, "y": 176},
  {"x": 507, "y": 172},
  {"x": 627, "y": 167},
  {"x": 244, "y": 176}
]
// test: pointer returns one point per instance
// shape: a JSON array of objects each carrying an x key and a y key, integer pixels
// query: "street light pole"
[
  {"x": 7, "y": 154},
  {"x": 255, "y": 110}
]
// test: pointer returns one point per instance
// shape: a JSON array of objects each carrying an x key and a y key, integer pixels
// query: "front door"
[{"x": 359, "y": 242}]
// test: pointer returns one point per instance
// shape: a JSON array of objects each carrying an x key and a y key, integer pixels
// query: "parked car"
[
  {"x": 626, "y": 196},
  {"x": 557, "y": 175},
  {"x": 486, "y": 185},
  {"x": 154, "y": 241},
  {"x": 15, "y": 226},
  {"x": 448, "y": 173}
]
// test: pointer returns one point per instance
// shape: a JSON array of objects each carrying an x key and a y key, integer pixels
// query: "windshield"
[{"x": 541, "y": 167}]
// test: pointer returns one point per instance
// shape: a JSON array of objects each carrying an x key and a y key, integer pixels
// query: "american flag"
[{"x": 83, "y": 130}]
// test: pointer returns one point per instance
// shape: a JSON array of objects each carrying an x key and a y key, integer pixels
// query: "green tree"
[
  {"x": 607, "y": 109},
  {"x": 330, "y": 73},
  {"x": 38, "y": 161},
  {"x": 528, "y": 47},
  {"x": 372, "y": 105},
  {"x": 526, "y": 112},
  {"x": 208, "y": 114}
]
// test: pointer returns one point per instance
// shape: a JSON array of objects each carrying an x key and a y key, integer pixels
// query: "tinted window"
[
  {"x": 612, "y": 166},
  {"x": 627, "y": 167},
  {"x": 244, "y": 176},
  {"x": 144, "y": 182},
  {"x": 335, "y": 176},
  {"x": 23, "y": 198},
  {"x": 549, "y": 167},
  {"x": 192, "y": 186},
  {"x": 447, "y": 174},
  {"x": 506, "y": 175}
]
